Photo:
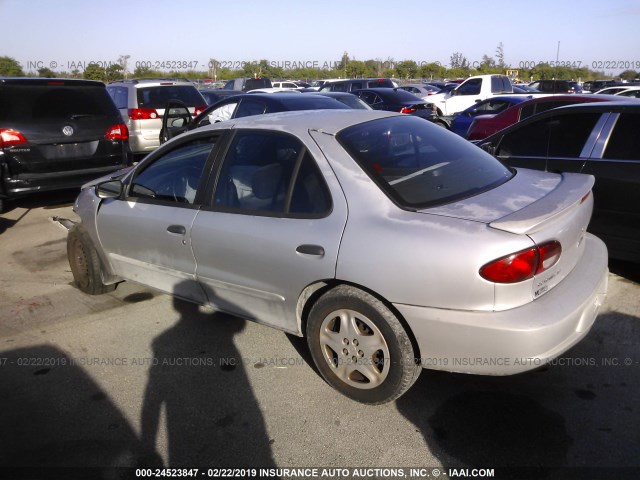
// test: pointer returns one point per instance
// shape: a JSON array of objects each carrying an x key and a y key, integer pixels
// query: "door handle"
[
  {"x": 306, "y": 249},
  {"x": 177, "y": 229}
]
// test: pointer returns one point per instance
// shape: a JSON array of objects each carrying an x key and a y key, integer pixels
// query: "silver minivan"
[{"x": 142, "y": 104}]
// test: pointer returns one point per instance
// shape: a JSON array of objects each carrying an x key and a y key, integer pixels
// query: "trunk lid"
[{"x": 544, "y": 207}]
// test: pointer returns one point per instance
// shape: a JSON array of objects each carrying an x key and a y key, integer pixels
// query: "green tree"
[
  {"x": 9, "y": 67},
  {"x": 146, "y": 72},
  {"x": 406, "y": 69},
  {"x": 115, "y": 71},
  {"x": 629, "y": 75},
  {"x": 488, "y": 65},
  {"x": 433, "y": 70},
  {"x": 355, "y": 69},
  {"x": 94, "y": 72},
  {"x": 46, "y": 72},
  {"x": 458, "y": 61}
]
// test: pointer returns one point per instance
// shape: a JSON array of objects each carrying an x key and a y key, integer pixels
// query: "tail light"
[
  {"x": 408, "y": 110},
  {"x": 10, "y": 138},
  {"x": 522, "y": 265},
  {"x": 198, "y": 110},
  {"x": 117, "y": 132},
  {"x": 142, "y": 113}
]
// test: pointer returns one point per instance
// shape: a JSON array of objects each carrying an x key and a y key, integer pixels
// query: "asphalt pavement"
[{"x": 134, "y": 378}]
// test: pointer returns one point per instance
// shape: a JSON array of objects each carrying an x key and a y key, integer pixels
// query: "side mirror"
[
  {"x": 453, "y": 92},
  {"x": 110, "y": 189},
  {"x": 489, "y": 148}
]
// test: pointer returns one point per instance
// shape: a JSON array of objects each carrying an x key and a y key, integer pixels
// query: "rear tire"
[
  {"x": 85, "y": 263},
  {"x": 359, "y": 346}
]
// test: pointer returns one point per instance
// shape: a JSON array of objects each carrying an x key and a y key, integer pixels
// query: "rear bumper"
[
  {"x": 26, "y": 183},
  {"x": 519, "y": 339}
]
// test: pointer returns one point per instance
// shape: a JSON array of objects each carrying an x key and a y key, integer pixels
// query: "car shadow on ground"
[
  {"x": 544, "y": 424},
  {"x": 199, "y": 381},
  {"x": 628, "y": 270},
  {"x": 47, "y": 200}
]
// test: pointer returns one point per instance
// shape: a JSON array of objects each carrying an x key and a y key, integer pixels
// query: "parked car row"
[{"x": 509, "y": 228}]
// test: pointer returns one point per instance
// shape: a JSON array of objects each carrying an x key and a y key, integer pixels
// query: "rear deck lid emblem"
[{"x": 68, "y": 130}]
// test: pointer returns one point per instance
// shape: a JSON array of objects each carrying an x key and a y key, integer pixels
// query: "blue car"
[{"x": 461, "y": 122}]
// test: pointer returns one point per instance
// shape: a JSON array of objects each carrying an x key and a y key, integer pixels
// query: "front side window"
[
  {"x": 174, "y": 176},
  {"x": 470, "y": 87},
  {"x": 270, "y": 173},
  {"x": 417, "y": 165}
]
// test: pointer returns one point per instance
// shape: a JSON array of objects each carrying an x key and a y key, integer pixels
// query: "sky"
[{"x": 63, "y": 34}]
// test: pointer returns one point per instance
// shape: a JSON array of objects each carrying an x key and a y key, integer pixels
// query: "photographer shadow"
[{"x": 198, "y": 380}]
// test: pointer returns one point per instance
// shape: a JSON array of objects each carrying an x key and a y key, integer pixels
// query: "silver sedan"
[{"x": 390, "y": 243}]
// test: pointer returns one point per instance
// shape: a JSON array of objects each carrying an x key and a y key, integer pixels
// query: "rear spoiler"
[{"x": 572, "y": 190}]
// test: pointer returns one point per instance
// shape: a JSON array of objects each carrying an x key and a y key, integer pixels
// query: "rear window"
[
  {"x": 46, "y": 102},
  {"x": 308, "y": 102},
  {"x": 380, "y": 83},
  {"x": 158, "y": 96},
  {"x": 253, "y": 83},
  {"x": 418, "y": 164}
]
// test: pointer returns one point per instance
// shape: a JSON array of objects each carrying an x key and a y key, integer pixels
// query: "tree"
[
  {"x": 114, "y": 71},
  {"x": 46, "y": 72},
  {"x": 146, "y": 72},
  {"x": 406, "y": 69},
  {"x": 9, "y": 67},
  {"x": 356, "y": 69},
  {"x": 123, "y": 60},
  {"x": 433, "y": 70},
  {"x": 457, "y": 60},
  {"x": 500, "y": 56},
  {"x": 629, "y": 75},
  {"x": 94, "y": 72},
  {"x": 487, "y": 65}
]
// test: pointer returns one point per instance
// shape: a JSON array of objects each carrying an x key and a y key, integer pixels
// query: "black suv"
[
  {"x": 57, "y": 134},
  {"x": 357, "y": 84},
  {"x": 247, "y": 83},
  {"x": 557, "y": 86}
]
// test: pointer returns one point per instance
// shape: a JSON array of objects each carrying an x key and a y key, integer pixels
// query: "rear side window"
[
  {"x": 624, "y": 143},
  {"x": 500, "y": 85},
  {"x": 266, "y": 173},
  {"x": 158, "y": 96},
  {"x": 556, "y": 136},
  {"x": 416, "y": 165},
  {"x": 249, "y": 107},
  {"x": 47, "y": 102}
]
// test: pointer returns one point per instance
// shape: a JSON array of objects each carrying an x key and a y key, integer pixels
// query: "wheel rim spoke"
[{"x": 354, "y": 347}]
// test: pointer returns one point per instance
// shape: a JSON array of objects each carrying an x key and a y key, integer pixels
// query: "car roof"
[
  {"x": 301, "y": 121},
  {"x": 49, "y": 81},
  {"x": 613, "y": 106},
  {"x": 632, "y": 105}
]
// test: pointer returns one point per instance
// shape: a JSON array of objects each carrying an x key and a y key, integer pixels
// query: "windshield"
[{"x": 418, "y": 164}]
